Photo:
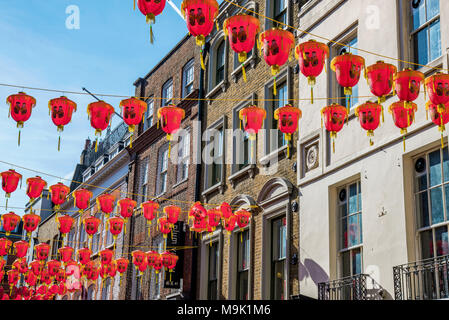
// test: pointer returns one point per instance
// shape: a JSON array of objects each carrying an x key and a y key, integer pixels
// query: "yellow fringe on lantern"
[
  {"x": 243, "y": 72},
  {"x": 202, "y": 60}
]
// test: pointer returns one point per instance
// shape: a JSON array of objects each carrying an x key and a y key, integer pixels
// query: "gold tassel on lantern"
[
  {"x": 311, "y": 94},
  {"x": 243, "y": 72},
  {"x": 202, "y": 60},
  {"x": 134, "y": 4},
  {"x": 151, "y": 34},
  {"x": 274, "y": 87}
]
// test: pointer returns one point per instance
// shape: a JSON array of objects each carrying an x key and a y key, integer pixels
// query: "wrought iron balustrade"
[
  {"x": 422, "y": 280},
  {"x": 349, "y": 288}
]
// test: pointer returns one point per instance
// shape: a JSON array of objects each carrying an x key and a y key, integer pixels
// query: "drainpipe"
[{"x": 193, "y": 284}]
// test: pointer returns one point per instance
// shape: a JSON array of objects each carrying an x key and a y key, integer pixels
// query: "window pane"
[
  {"x": 441, "y": 238},
  {"x": 344, "y": 233},
  {"x": 446, "y": 164},
  {"x": 354, "y": 231},
  {"x": 353, "y": 198},
  {"x": 435, "y": 40},
  {"x": 356, "y": 261},
  {"x": 436, "y": 202},
  {"x": 359, "y": 196},
  {"x": 420, "y": 47},
  {"x": 435, "y": 168},
  {"x": 278, "y": 278},
  {"x": 243, "y": 251},
  {"x": 242, "y": 285},
  {"x": 346, "y": 264},
  {"x": 419, "y": 15},
  {"x": 422, "y": 209},
  {"x": 433, "y": 8},
  {"x": 343, "y": 209},
  {"x": 426, "y": 244}
]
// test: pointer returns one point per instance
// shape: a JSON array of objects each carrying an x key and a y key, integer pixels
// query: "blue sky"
[{"x": 106, "y": 55}]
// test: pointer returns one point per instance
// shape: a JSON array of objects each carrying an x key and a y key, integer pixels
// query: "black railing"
[
  {"x": 349, "y": 288},
  {"x": 422, "y": 280}
]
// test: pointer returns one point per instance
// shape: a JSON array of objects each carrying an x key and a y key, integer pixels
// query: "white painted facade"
[{"x": 385, "y": 171}]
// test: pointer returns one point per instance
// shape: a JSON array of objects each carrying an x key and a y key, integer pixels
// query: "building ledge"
[
  {"x": 220, "y": 86},
  {"x": 217, "y": 187},
  {"x": 265, "y": 160},
  {"x": 251, "y": 61},
  {"x": 249, "y": 170}
]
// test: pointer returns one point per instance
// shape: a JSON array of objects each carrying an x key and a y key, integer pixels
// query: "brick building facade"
[
  {"x": 259, "y": 262},
  {"x": 153, "y": 176}
]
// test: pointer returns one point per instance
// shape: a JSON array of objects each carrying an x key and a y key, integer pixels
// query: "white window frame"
[
  {"x": 167, "y": 93},
  {"x": 149, "y": 114},
  {"x": 183, "y": 156},
  {"x": 187, "y": 81},
  {"x": 162, "y": 170},
  {"x": 219, "y": 125}
]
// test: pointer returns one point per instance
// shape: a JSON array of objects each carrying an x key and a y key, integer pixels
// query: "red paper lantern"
[
  {"x": 84, "y": 255},
  {"x": 65, "y": 224},
  {"x": 242, "y": 218},
  {"x": 311, "y": 56},
  {"x": 170, "y": 118},
  {"x": 82, "y": 199},
  {"x": 10, "y": 181},
  {"x": 276, "y": 45},
  {"x": 149, "y": 210},
  {"x": 380, "y": 79},
  {"x": 437, "y": 87},
  {"x": 115, "y": 226},
  {"x": 35, "y": 186},
  {"x": 226, "y": 210},
  {"x": 157, "y": 263},
  {"x": 197, "y": 211},
  {"x": 288, "y": 117},
  {"x": 42, "y": 289},
  {"x": 100, "y": 114},
  {"x": 21, "y": 265},
  {"x": 20, "y": 107},
  {"x": 105, "y": 203},
  {"x": 10, "y": 222},
  {"x": 106, "y": 256},
  {"x": 42, "y": 251},
  {"x": 58, "y": 193},
  {"x": 139, "y": 258},
  {"x": 229, "y": 223},
  {"x": 214, "y": 218},
  {"x": 407, "y": 84},
  {"x": 31, "y": 279},
  {"x": 133, "y": 110},
  {"x": 151, "y": 258},
  {"x": 53, "y": 290},
  {"x": 62, "y": 289},
  {"x": 348, "y": 68},
  {"x": 107, "y": 269},
  {"x": 13, "y": 277},
  {"x": 88, "y": 268},
  {"x": 36, "y": 267},
  {"x": 164, "y": 226},
  {"x": 5, "y": 245},
  {"x": 91, "y": 225},
  {"x": 200, "y": 16},
  {"x": 21, "y": 248},
  {"x": 65, "y": 254},
  {"x": 439, "y": 116},
  {"x": 61, "y": 113},
  {"x": 30, "y": 222},
  {"x": 242, "y": 30},
  {"x": 61, "y": 276},
  {"x": 252, "y": 118},
  {"x": 94, "y": 274},
  {"x": 334, "y": 119},
  {"x": 172, "y": 213},
  {"x": 369, "y": 117},
  {"x": 122, "y": 265},
  {"x": 126, "y": 208},
  {"x": 403, "y": 115},
  {"x": 150, "y": 9},
  {"x": 53, "y": 267}
]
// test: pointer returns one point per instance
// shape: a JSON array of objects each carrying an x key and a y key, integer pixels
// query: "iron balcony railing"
[
  {"x": 422, "y": 280},
  {"x": 349, "y": 288}
]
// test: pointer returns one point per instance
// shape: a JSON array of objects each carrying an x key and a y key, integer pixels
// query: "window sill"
[
  {"x": 180, "y": 182},
  {"x": 433, "y": 64},
  {"x": 221, "y": 86},
  {"x": 219, "y": 186},
  {"x": 249, "y": 170},
  {"x": 238, "y": 71},
  {"x": 159, "y": 195},
  {"x": 265, "y": 161}
]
